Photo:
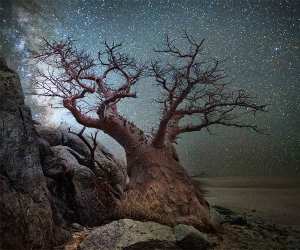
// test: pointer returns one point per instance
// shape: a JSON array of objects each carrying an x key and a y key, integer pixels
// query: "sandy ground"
[{"x": 276, "y": 199}]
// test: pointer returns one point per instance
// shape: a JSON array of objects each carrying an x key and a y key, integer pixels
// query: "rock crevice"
[
  {"x": 46, "y": 181},
  {"x": 25, "y": 211}
]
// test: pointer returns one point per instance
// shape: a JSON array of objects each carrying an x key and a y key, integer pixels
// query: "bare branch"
[
  {"x": 92, "y": 145},
  {"x": 190, "y": 87},
  {"x": 193, "y": 87},
  {"x": 73, "y": 75}
]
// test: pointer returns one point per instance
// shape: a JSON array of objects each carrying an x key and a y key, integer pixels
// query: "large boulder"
[
  {"x": 53, "y": 136},
  {"x": 61, "y": 150},
  {"x": 88, "y": 197},
  {"x": 60, "y": 136},
  {"x": 124, "y": 233},
  {"x": 59, "y": 162},
  {"x": 25, "y": 211},
  {"x": 131, "y": 234},
  {"x": 74, "y": 188},
  {"x": 107, "y": 166}
]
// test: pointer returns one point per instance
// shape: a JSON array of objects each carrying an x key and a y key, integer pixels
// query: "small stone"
[
  {"x": 188, "y": 237},
  {"x": 216, "y": 218},
  {"x": 77, "y": 226},
  {"x": 238, "y": 220},
  {"x": 154, "y": 245}
]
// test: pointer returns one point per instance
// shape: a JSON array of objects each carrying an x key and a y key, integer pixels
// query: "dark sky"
[{"x": 260, "y": 40}]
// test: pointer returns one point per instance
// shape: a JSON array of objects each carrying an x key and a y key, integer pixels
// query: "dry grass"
[
  {"x": 151, "y": 205},
  {"x": 145, "y": 206},
  {"x": 77, "y": 238}
]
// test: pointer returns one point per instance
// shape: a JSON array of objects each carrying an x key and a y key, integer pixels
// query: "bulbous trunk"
[{"x": 161, "y": 190}]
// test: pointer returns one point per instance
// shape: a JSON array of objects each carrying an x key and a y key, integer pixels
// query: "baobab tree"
[{"x": 194, "y": 97}]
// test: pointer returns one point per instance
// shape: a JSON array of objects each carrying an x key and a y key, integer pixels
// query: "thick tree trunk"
[{"x": 161, "y": 190}]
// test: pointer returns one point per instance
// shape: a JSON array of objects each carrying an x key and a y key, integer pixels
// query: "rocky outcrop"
[
  {"x": 47, "y": 181},
  {"x": 81, "y": 191},
  {"x": 131, "y": 234},
  {"x": 25, "y": 212},
  {"x": 107, "y": 166}
]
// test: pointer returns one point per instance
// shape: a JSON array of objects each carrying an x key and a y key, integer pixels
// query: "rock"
[
  {"x": 229, "y": 216},
  {"x": 111, "y": 170},
  {"x": 154, "y": 245},
  {"x": 62, "y": 200},
  {"x": 129, "y": 234},
  {"x": 4, "y": 67},
  {"x": 216, "y": 219},
  {"x": 106, "y": 167},
  {"x": 44, "y": 148},
  {"x": 124, "y": 233},
  {"x": 78, "y": 227},
  {"x": 188, "y": 238},
  {"x": 53, "y": 136},
  {"x": 258, "y": 233},
  {"x": 80, "y": 192},
  {"x": 25, "y": 211},
  {"x": 89, "y": 205},
  {"x": 75, "y": 143},
  {"x": 59, "y": 162},
  {"x": 58, "y": 136},
  {"x": 237, "y": 220},
  {"x": 73, "y": 187},
  {"x": 223, "y": 211},
  {"x": 83, "y": 179}
]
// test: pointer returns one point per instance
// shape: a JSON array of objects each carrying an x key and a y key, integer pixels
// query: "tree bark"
[{"x": 161, "y": 190}]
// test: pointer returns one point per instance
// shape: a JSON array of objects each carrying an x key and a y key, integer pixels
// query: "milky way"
[{"x": 260, "y": 41}]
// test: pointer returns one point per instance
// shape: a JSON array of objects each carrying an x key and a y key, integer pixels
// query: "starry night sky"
[{"x": 260, "y": 40}]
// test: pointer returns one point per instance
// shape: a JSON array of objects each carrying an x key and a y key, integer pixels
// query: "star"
[{"x": 257, "y": 40}]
